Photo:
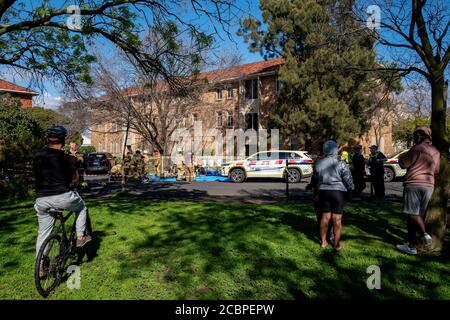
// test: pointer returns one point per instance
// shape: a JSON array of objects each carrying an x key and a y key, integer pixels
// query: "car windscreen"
[{"x": 97, "y": 158}]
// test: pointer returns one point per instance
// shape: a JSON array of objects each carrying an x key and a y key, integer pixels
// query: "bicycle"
[{"x": 56, "y": 251}]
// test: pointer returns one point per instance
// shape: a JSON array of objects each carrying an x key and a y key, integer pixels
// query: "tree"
[
  {"x": 44, "y": 117},
  {"x": 49, "y": 39},
  {"x": 325, "y": 92},
  {"x": 47, "y": 117},
  {"x": 404, "y": 128},
  {"x": 77, "y": 122},
  {"x": 20, "y": 135},
  {"x": 415, "y": 34},
  {"x": 142, "y": 102}
]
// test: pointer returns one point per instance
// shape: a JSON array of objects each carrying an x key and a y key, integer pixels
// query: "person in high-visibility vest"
[
  {"x": 345, "y": 156},
  {"x": 357, "y": 167},
  {"x": 376, "y": 164}
]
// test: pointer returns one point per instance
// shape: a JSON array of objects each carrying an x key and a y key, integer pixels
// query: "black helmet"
[{"x": 56, "y": 134}]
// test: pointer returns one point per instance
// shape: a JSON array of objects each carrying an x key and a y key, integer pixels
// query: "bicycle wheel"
[{"x": 49, "y": 264}]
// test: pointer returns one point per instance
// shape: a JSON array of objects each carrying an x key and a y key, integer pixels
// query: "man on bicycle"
[{"x": 54, "y": 172}]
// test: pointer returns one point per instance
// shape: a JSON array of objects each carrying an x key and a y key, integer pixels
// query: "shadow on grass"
[
  {"x": 232, "y": 251},
  {"x": 203, "y": 247}
]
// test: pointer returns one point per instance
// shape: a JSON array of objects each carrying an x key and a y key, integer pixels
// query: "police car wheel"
[
  {"x": 293, "y": 176},
  {"x": 237, "y": 175},
  {"x": 389, "y": 174}
]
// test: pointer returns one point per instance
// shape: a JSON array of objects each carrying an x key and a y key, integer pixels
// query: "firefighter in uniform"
[
  {"x": 188, "y": 166},
  {"x": 138, "y": 165},
  {"x": 180, "y": 165},
  {"x": 157, "y": 162},
  {"x": 127, "y": 165}
]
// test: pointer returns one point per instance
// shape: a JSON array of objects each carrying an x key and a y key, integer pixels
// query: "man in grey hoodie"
[{"x": 335, "y": 187}]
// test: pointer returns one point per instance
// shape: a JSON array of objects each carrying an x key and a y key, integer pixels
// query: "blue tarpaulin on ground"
[{"x": 198, "y": 178}]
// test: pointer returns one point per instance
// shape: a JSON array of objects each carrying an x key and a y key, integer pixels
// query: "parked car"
[
  {"x": 392, "y": 169},
  {"x": 270, "y": 164},
  {"x": 97, "y": 162}
]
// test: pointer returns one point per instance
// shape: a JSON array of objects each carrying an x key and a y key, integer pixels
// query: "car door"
[
  {"x": 266, "y": 165},
  {"x": 250, "y": 165}
]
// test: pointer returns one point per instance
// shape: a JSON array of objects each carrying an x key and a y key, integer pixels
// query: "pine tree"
[{"x": 326, "y": 89}]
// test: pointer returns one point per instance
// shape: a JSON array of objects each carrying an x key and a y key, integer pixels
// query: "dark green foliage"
[
  {"x": 326, "y": 88},
  {"x": 46, "y": 117},
  {"x": 86, "y": 149},
  {"x": 403, "y": 130},
  {"x": 20, "y": 135}
]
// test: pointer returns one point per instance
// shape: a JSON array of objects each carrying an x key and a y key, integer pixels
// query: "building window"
[
  {"x": 229, "y": 93},
  {"x": 251, "y": 89},
  {"x": 219, "y": 119},
  {"x": 218, "y": 94},
  {"x": 230, "y": 119},
  {"x": 278, "y": 85},
  {"x": 251, "y": 121},
  {"x": 100, "y": 147},
  {"x": 111, "y": 147},
  {"x": 194, "y": 118}
]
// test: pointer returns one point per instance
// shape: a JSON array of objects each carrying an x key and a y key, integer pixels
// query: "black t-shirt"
[{"x": 53, "y": 171}]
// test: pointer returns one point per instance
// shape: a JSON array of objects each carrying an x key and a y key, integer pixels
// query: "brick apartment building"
[
  {"x": 25, "y": 95},
  {"x": 238, "y": 97}
]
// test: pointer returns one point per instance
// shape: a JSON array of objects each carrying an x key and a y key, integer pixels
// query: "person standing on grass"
[
  {"x": 314, "y": 187},
  {"x": 358, "y": 168},
  {"x": 376, "y": 164},
  {"x": 422, "y": 164},
  {"x": 335, "y": 187}
]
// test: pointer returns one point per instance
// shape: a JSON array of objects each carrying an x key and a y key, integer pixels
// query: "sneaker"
[
  {"x": 426, "y": 239},
  {"x": 405, "y": 248},
  {"x": 82, "y": 242}
]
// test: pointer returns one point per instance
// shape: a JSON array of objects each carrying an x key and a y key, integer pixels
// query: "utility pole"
[{"x": 287, "y": 180}]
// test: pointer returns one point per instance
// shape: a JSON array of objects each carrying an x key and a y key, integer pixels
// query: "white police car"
[{"x": 270, "y": 164}]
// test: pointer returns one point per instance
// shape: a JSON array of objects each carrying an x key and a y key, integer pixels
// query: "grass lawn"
[{"x": 188, "y": 250}]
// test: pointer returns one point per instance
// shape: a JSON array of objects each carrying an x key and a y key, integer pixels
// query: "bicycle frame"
[{"x": 69, "y": 243}]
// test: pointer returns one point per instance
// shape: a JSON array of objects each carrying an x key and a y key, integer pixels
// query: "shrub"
[{"x": 86, "y": 149}]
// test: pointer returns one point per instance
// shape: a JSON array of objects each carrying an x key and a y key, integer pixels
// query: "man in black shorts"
[{"x": 335, "y": 187}]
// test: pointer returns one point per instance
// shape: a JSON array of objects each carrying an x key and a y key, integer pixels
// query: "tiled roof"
[
  {"x": 242, "y": 71},
  {"x": 224, "y": 74},
  {"x": 7, "y": 86}
]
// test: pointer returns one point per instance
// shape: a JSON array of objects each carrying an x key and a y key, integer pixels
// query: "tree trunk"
[
  {"x": 436, "y": 218},
  {"x": 123, "y": 180}
]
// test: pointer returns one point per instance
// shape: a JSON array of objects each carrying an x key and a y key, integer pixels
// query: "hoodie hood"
[
  {"x": 425, "y": 130},
  {"x": 330, "y": 148}
]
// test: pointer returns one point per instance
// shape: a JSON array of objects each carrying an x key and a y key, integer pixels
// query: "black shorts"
[{"x": 332, "y": 201}]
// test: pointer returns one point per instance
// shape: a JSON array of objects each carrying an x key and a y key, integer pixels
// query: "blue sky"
[{"x": 52, "y": 96}]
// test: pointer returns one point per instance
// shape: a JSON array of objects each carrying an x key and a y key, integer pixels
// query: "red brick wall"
[{"x": 26, "y": 101}]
